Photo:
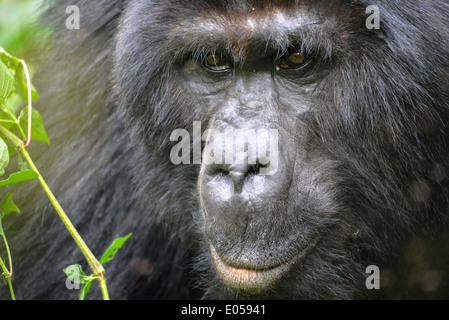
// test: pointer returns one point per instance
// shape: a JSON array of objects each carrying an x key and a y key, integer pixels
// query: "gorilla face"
[
  {"x": 320, "y": 148},
  {"x": 258, "y": 225},
  {"x": 345, "y": 113}
]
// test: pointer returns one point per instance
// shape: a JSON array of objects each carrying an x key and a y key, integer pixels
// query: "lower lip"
[{"x": 249, "y": 280}]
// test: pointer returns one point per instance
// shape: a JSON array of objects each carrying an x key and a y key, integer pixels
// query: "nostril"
[
  {"x": 253, "y": 170},
  {"x": 216, "y": 170},
  {"x": 236, "y": 174}
]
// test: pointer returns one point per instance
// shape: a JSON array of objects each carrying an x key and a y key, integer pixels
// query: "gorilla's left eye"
[
  {"x": 294, "y": 59},
  {"x": 216, "y": 63}
]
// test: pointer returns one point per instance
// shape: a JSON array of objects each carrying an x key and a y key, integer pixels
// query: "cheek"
[{"x": 295, "y": 99}]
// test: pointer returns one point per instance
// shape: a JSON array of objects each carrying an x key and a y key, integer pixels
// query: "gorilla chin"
[{"x": 250, "y": 278}]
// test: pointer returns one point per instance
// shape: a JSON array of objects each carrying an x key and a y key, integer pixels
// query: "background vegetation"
[
  {"x": 23, "y": 38},
  {"x": 20, "y": 33}
]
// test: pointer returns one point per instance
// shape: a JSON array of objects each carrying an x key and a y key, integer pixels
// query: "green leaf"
[
  {"x": 5, "y": 118},
  {"x": 112, "y": 250},
  {"x": 6, "y": 82},
  {"x": 85, "y": 290},
  {"x": 19, "y": 177},
  {"x": 4, "y": 156},
  {"x": 76, "y": 274},
  {"x": 7, "y": 206},
  {"x": 37, "y": 127},
  {"x": 10, "y": 61},
  {"x": 22, "y": 85}
]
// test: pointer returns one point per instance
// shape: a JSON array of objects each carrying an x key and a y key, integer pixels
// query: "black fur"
[{"x": 111, "y": 96}]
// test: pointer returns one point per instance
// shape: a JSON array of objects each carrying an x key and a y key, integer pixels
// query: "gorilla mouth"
[{"x": 254, "y": 280}]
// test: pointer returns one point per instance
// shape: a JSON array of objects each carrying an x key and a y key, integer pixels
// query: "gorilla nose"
[{"x": 236, "y": 174}]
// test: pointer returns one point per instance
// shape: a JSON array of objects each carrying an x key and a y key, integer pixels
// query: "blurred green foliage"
[
  {"x": 21, "y": 35},
  {"x": 19, "y": 30}
]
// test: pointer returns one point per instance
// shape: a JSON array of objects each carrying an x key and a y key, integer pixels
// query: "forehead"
[
  {"x": 275, "y": 24},
  {"x": 253, "y": 24}
]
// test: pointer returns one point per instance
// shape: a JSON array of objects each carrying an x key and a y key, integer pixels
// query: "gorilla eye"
[
  {"x": 293, "y": 60},
  {"x": 216, "y": 63}
]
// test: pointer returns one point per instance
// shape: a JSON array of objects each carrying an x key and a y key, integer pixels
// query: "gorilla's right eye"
[
  {"x": 216, "y": 63},
  {"x": 294, "y": 59}
]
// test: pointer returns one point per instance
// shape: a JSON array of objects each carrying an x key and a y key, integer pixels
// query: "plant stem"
[
  {"x": 5, "y": 241},
  {"x": 8, "y": 278},
  {"x": 104, "y": 289},
  {"x": 94, "y": 264},
  {"x": 11, "y": 290},
  {"x": 11, "y": 137},
  {"x": 96, "y": 267}
]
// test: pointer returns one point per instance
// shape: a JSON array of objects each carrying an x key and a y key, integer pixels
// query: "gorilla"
[{"x": 350, "y": 169}]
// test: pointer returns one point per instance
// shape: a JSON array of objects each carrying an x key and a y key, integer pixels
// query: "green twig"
[
  {"x": 96, "y": 267},
  {"x": 7, "y": 276},
  {"x": 7, "y": 249},
  {"x": 94, "y": 264},
  {"x": 104, "y": 289}
]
